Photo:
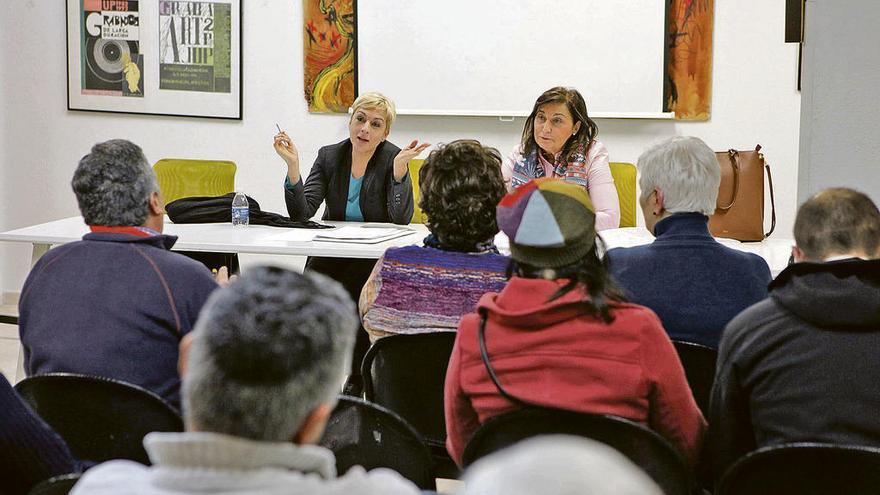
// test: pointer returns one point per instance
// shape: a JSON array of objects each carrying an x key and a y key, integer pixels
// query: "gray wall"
[{"x": 840, "y": 99}]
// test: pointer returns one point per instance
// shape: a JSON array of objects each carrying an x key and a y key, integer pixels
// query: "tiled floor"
[{"x": 9, "y": 352}]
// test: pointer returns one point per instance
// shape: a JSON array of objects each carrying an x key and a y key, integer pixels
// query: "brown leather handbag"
[{"x": 739, "y": 210}]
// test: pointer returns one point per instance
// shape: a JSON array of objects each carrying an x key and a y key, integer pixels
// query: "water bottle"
[{"x": 240, "y": 210}]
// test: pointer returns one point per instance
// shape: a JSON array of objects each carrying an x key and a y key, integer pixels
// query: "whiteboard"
[{"x": 495, "y": 57}]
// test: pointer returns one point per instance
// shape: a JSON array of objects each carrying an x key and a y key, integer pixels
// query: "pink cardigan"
[{"x": 600, "y": 184}]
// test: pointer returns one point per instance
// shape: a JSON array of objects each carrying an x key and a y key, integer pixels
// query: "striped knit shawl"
[{"x": 423, "y": 289}]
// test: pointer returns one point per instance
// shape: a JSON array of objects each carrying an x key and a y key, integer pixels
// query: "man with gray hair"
[
  {"x": 557, "y": 465},
  {"x": 801, "y": 366},
  {"x": 693, "y": 283},
  {"x": 118, "y": 302},
  {"x": 262, "y": 369}
]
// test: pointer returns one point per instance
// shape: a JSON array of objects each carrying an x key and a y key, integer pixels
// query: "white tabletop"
[
  {"x": 262, "y": 239},
  {"x": 221, "y": 237}
]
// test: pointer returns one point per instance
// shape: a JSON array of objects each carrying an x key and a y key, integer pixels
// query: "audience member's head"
[
  {"x": 115, "y": 186},
  {"x": 551, "y": 227},
  {"x": 461, "y": 184},
  {"x": 678, "y": 175},
  {"x": 268, "y": 356},
  {"x": 557, "y": 465},
  {"x": 837, "y": 223}
]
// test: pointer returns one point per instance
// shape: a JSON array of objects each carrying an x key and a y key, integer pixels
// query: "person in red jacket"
[{"x": 560, "y": 335}]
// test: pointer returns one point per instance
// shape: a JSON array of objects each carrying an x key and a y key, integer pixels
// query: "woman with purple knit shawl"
[{"x": 421, "y": 289}]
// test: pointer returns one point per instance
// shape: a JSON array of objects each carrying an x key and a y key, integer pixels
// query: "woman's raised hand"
[
  {"x": 287, "y": 151},
  {"x": 403, "y": 157}
]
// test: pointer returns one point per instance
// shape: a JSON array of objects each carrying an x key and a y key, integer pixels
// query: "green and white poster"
[{"x": 195, "y": 46}]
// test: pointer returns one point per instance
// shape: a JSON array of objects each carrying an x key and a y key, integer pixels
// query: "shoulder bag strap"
[
  {"x": 734, "y": 164},
  {"x": 484, "y": 353},
  {"x": 772, "y": 202}
]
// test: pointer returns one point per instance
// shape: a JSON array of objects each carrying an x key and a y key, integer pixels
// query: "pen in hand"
[{"x": 278, "y": 127}]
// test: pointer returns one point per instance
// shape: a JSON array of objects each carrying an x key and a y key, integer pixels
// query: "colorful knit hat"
[{"x": 550, "y": 222}]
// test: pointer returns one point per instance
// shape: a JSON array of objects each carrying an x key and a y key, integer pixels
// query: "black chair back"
[
  {"x": 805, "y": 469},
  {"x": 699, "y": 368},
  {"x": 99, "y": 418},
  {"x": 406, "y": 373},
  {"x": 56, "y": 485},
  {"x": 644, "y": 447},
  {"x": 362, "y": 433}
]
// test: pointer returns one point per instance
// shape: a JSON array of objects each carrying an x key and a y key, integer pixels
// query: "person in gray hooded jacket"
[{"x": 801, "y": 366}]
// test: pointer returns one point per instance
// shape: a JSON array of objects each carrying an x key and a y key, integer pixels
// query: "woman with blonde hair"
[{"x": 363, "y": 178}]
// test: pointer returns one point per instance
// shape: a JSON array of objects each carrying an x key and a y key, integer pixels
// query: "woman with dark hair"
[
  {"x": 420, "y": 289},
  {"x": 559, "y": 140},
  {"x": 560, "y": 335}
]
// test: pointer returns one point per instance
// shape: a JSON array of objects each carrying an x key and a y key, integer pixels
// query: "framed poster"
[{"x": 162, "y": 57}]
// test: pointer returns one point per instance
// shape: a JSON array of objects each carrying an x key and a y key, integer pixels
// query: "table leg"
[{"x": 38, "y": 251}]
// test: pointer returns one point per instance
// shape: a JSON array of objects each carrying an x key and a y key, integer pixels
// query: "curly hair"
[{"x": 461, "y": 184}]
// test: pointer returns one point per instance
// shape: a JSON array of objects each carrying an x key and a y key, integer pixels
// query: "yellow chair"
[
  {"x": 414, "y": 167},
  {"x": 625, "y": 181},
  {"x": 181, "y": 178}
]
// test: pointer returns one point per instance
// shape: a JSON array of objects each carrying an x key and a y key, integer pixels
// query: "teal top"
[{"x": 353, "y": 206}]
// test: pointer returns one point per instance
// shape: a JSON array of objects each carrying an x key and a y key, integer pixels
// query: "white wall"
[
  {"x": 841, "y": 91},
  {"x": 754, "y": 101}
]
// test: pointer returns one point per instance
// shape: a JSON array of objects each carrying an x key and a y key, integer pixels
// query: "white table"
[
  {"x": 221, "y": 237},
  {"x": 261, "y": 239}
]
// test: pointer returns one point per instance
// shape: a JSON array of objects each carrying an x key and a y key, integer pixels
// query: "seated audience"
[
  {"x": 801, "y": 366},
  {"x": 116, "y": 303},
  {"x": 262, "y": 370},
  {"x": 30, "y": 451},
  {"x": 693, "y": 283},
  {"x": 420, "y": 289},
  {"x": 557, "y": 465},
  {"x": 559, "y": 334}
]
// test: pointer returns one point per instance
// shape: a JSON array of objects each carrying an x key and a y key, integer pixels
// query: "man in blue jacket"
[
  {"x": 695, "y": 284},
  {"x": 116, "y": 303}
]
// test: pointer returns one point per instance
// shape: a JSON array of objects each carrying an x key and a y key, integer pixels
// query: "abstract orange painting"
[
  {"x": 688, "y": 85},
  {"x": 329, "y": 54}
]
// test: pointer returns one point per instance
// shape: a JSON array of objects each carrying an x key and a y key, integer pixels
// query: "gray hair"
[
  {"x": 268, "y": 350},
  {"x": 113, "y": 184},
  {"x": 687, "y": 172},
  {"x": 557, "y": 465}
]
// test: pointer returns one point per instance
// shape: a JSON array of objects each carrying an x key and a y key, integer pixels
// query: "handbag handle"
[
  {"x": 772, "y": 202},
  {"x": 734, "y": 164}
]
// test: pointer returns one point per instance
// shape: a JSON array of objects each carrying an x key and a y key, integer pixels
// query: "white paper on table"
[
  {"x": 294, "y": 235},
  {"x": 626, "y": 237},
  {"x": 365, "y": 234}
]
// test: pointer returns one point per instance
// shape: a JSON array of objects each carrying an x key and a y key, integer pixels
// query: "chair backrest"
[
  {"x": 699, "y": 367},
  {"x": 181, "y": 178},
  {"x": 56, "y": 485},
  {"x": 99, "y": 418},
  {"x": 804, "y": 468},
  {"x": 641, "y": 445},
  {"x": 414, "y": 166},
  {"x": 362, "y": 433},
  {"x": 625, "y": 181},
  {"x": 407, "y": 373}
]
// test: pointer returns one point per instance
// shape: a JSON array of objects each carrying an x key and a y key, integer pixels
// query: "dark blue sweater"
[
  {"x": 30, "y": 451},
  {"x": 113, "y": 305},
  {"x": 693, "y": 283}
]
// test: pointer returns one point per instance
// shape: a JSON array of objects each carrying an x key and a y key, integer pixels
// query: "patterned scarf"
[{"x": 529, "y": 167}]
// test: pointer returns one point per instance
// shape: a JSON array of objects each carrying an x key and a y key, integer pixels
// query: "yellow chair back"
[
  {"x": 414, "y": 167},
  {"x": 181, "y": 178},
  {"x": 625, "y": 181}
]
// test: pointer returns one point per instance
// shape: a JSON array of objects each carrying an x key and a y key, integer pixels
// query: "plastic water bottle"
[{"x": 241, "y": 213}]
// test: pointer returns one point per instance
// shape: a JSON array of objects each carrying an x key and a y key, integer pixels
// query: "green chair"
[
  {"x": 625, "y": 181},
  {"x": 414, "y": 167},
  {"x": 181, "y": 178}
]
